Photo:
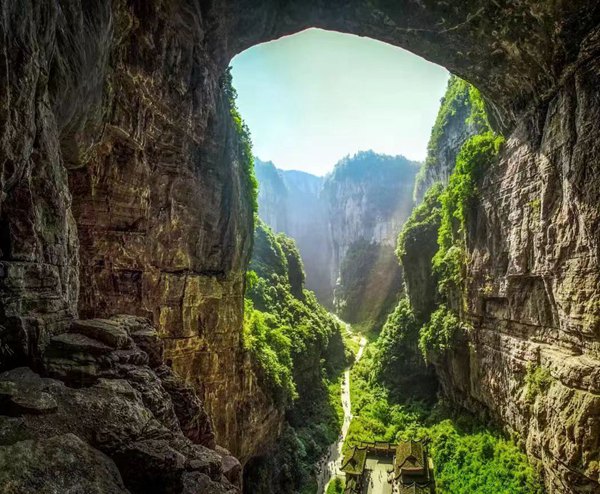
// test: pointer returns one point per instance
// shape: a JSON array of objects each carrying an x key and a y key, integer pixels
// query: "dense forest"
[
  {"x": 299, "y": 352},
  {"x": 394, "y": 387}
]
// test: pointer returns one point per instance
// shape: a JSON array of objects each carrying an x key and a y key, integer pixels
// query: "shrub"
[
  {"x": 537, "y": 381},
  {"x": 460, "y": 98},
  {"x": 457, "y": 200},
  {"x": 244, "y": 141},
  {"x": 336, "y": 486},
  {"x": 298, "y": 352},
  {"x": 468, "y": 457},
  {"x": 440, "y": 333},
  {"x": 271, "y": 349}
]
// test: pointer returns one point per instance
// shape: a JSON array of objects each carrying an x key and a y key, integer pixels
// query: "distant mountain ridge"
[{"x": 359, "y": 209}]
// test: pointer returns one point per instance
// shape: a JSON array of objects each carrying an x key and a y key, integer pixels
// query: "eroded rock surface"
[
  {"x": 121, "y": 193},
  {"x": 533, "y": 288},
  {"x": 108, "y": 415},
  {"x": 345, "y": 225}
]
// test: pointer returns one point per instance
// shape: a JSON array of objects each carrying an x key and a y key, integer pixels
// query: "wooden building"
[
  {"x": 413, "y": 469},
  {"x": 353, "y": 465}
]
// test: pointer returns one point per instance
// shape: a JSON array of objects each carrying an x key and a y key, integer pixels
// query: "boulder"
[{"x": 58, "y": 464}]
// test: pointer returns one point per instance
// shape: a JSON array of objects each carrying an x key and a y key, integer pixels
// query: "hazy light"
[{"x": 314, "y": 97}]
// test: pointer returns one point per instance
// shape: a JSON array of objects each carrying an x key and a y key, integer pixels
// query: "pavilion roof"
[
  {"x": 355, "y": 460},
  {"x": 410, "y": 459},
  {"x": 415, "y": 488}
]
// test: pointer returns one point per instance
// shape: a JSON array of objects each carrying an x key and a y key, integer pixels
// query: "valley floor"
[{"x": 330, "y": 463}]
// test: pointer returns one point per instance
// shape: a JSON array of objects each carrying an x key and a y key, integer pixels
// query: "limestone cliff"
[
  {"x": 369, "y": 197},
  {"x": 531, "y": 289},
  {"x": 122, "y": 190},
  {"x": 290, "y": 201},
  {"x": 460, "y": 116},
  {"x": 345, "y": 225}
]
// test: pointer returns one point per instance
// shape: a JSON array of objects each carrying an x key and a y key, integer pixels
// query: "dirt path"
[{"x": 331, "y": 461}]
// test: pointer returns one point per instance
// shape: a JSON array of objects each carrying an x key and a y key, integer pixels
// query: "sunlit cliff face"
[{"x": 123, "y": 191}]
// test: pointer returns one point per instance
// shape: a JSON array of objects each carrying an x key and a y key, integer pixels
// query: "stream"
[{"x": 330, "y": 462}]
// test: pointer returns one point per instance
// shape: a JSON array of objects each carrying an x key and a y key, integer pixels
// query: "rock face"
[
  {"x": 291, "y": 201},
  {"x": 111, "y": 418},
  {"x": 535, "y": 289},
  {"x": 531, "y": 359},
  {"x": 345, "y": 225},
  {"x": 456, "y": 122},
  {"x": 121, "y": 191},
  {"x": 369, "y": 198}
]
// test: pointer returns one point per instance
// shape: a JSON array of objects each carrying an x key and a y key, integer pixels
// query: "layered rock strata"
[
  {"x": 121, "y": 192},
  {"x": 106, "y": 415}
]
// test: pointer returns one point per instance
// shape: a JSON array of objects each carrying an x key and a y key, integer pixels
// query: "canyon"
[
  {"x": 345, "y": 225},
  {"x": 126, "y": 229}
]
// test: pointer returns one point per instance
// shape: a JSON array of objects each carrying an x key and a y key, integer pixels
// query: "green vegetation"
[
  {"x": 336, "y": 486},
  {"x": 364, "y": 164},
  {"x": 458, "y": 199},
  {"x": 417, "y": 244},
  {"x": 461, "y": 103},
  {"x": 470, "y": 459},
  {"x": 399, "y": 364},
  {"x": 299, "y": 354},
  {"x": 244, "y": 142},
  {"x": 370, "y": 281},
  {"x": 270, "y": 346},
  {"x": 537, "y": 381},
  {"x": 468, "y": 456},
  {"x": 440, "y": 333},
  {"x": 424, "y": 221}
]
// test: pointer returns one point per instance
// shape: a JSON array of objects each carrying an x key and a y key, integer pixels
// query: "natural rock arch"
[
  {"x": 117, "y": 146},
  {"x": 514, "y": 52}
]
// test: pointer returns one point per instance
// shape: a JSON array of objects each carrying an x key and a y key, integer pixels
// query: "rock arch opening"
[{"x": 117, "y": 144}]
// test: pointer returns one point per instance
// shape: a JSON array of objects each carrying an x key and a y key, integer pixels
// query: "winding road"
[{"x": 330, "y": 462}]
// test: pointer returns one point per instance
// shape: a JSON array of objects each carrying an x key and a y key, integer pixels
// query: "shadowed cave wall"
[{"x": 122, "y": 193}]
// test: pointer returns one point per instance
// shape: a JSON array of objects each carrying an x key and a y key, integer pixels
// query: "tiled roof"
[
  {"x": 354, "y": 461},
  {"x": 410, "y": 460},
  {"x": 351, "y": 486},
  {"x": 415, "y": 489}
]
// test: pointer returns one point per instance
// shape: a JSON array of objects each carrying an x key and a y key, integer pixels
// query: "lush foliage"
[
  {"x": 370, "y": 280},
  {"x": 336, "y": 486},
  {"x": 472, "y": 459},
  {"x": 271, "y": 348},
  {"x": 468, "y": 456},
  {"x": 461, "y": 101},
  {"x": 475, "y": 156},
  {"x": 400, "y": 330},
  {"x": 424, "y": 221},
  {"x": 244, "y": 141},
  {"x": 399, "y": 364},
  {"x": 299, "y": 352},
  {"x": 440, "y": 333},
  {"x": 282, "y": 319}
]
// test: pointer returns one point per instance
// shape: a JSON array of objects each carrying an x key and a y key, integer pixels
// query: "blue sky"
[{"x": 314, "y": 97}]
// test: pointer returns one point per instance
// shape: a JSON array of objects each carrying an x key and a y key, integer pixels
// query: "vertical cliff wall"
[
  {"x": 369, "y": 198},
  {"x": 123, "y": 168},
  {"x": 121, "y": 190},
  {"x": 461, "y": 115},
  {"x": 290, "y": 201},
  {"x": 345, "y": 225},
  {"x": 534, "y": 286},
  {"x": 530, "y": 286}
]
